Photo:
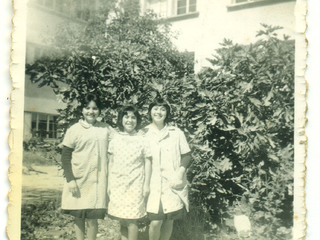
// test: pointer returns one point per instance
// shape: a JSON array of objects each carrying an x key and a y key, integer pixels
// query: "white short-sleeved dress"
[
  {"x": 126, "y": 176},
  {"x": 89, "y": 165},
  {"x": 166, "y": 148}
]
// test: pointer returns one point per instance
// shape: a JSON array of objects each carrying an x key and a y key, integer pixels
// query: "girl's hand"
[
  {"x": 177, "y": 184},
  {"x": 74, "y": 189},
  {"x": 146, "y": 190}
]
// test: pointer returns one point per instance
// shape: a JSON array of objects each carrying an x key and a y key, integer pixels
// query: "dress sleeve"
[
  {"x": 69, "y": 139},
  {"x": 111, "y": 133},
  {"x": 183, "y": 144},
  {"x": 66, "y": 156},
  {"x": 111, "y": 146},
  {"x": 147, "y": 151}
]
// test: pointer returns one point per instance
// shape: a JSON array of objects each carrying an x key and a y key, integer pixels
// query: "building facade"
[
  {"x": 44, "y": 17},
  {"x": 201, "y": 25}
]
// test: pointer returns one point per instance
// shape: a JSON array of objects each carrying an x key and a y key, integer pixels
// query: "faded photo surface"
[{"x": 216, "y": 92}]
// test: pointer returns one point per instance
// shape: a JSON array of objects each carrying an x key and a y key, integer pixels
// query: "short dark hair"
[
  {"x": 124, "y": 111},
  {"x": 160, "y": 102},
  {"x": 91, "y": 97}
]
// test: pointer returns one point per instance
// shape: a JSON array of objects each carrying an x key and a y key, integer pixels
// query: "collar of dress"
[
  {"x": 160, "y": 134},
  {"x": 86, "y": 125},
  {"x": 134, "y": 133}
]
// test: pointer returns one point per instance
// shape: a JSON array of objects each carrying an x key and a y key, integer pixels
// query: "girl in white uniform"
[
  {"x": 84, "y": 160},
  {"x": 168, "y": 198}
]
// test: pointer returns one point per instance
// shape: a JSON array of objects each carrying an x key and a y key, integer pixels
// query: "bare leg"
[
  {"x": 92, "y": 229},
  {"x": 154, "y": 229},
  {"x": 166, "y": 230},
  {"x": 133, "y": 231},
  {"x": 124, "y": 232},
  {"x": 79, "y": 228}
]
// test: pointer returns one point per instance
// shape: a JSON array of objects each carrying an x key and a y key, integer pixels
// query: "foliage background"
[{"x": 237, "y": 113}]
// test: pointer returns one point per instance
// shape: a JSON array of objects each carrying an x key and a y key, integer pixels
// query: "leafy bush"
[
  {"x": 40, "y": 217},
  {"x": 238, "y": 113}
]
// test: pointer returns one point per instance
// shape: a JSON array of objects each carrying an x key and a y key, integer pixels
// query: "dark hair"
[
  {"x": 160, "y": 102},
  {"x": 91, "y": 97},
  {"x": 124, "y": 111}
]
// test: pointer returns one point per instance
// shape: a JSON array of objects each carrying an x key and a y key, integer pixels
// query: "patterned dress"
[{"x": 126, "y": 176}]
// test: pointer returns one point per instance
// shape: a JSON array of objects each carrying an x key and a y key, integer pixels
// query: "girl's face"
[
  {"x": 91, "y": 112},
  {"x": 129, "y": 122},
  {"x": 158, "y": 114}
]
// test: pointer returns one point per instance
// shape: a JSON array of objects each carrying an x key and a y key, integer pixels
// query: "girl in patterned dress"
[
  {"x": 84, "y": 161},
  {"x": 129, "y": 173}
]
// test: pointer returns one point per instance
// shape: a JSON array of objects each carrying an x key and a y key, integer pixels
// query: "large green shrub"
[{"x": 239, "y": 114}]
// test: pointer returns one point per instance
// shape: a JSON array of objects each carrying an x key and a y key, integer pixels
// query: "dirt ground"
[{"x": 41, "y": 183}]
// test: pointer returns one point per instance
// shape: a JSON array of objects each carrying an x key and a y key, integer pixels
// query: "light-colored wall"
[
  {"x": 27, "y": 126},
  {"x": 202, "y": 34},
  {"x": 41, "y": 100},
  {"x": 241, "y": 26},
  {"x": 42, "y": 24}
]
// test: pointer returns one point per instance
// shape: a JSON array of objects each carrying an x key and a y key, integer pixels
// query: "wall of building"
[
  {"x": 27, "y": 133},
  {"x": 42, "y": 100},
  {"x": 43, "y": 20},
  {"x": 241, "y": 26},
  {"x": 43, "y": 24},
  {"x": 218, "y": 19}
]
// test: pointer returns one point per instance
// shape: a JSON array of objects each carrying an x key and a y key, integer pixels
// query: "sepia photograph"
[{"x": 158, "y": 119}]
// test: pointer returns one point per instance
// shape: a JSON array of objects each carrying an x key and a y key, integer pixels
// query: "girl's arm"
[
  {"x": 185, "y": 163},
  {"x": 147, "y": 176},
  {"x": 66, "y": 163},
  {"x": 110, "y": 160},
  {"x": 67, "y": 168}
]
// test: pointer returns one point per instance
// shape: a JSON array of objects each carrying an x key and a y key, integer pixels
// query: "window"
[
  {"x": 79, "y": 9},
  {"x": 240, "y": 1},
  {"x": 44, "y": 125},
  {"x": 172, "y": 9},
  {"x": 250, "y": 1},
  {"x": 243, "y": 4},
  {"x": 186, "y": 6}
]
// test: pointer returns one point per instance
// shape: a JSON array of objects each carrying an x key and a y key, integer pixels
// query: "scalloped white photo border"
[{"x": 17, "y": 68}]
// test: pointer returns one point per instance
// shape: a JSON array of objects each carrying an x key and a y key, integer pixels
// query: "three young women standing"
[{"x": 85, "y": 164}]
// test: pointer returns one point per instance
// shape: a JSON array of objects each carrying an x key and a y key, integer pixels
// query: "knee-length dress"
[
  {"x": 166, "y": 148},
  {"x": 126, "y": 176},
  {"x": 88, "y": 164}
]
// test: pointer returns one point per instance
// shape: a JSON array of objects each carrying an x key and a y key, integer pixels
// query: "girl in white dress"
[
  {"x": 84, "y": 161},
  {"x": 171, "y": 156},
  {"x": 129, "y": 173}
]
